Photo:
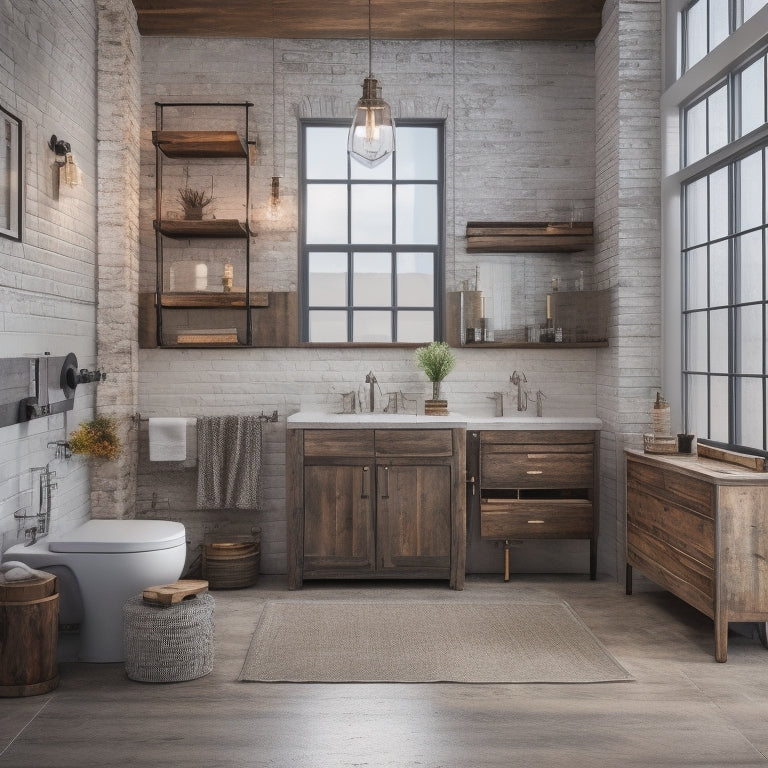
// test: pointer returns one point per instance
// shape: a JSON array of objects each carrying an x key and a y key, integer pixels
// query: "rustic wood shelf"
[
  {"x": 199, "y": 143},
  {"x": 202, "y": 228},
  {"x": 529, "y": 237},
  {"x": 535, "y": 345},
  {"x": 209, "y": 299}
]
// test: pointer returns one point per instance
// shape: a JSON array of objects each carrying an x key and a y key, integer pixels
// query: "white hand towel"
[{"x": 167, "y": 439}]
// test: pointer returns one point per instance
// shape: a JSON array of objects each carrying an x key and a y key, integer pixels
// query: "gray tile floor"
[{"x": 683, "y": 709}]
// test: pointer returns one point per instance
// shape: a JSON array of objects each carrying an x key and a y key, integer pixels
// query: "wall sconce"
[{"x": 69, "y": 173}]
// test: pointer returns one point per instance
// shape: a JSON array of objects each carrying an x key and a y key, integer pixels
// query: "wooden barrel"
[{"x": 29, "y": 633}]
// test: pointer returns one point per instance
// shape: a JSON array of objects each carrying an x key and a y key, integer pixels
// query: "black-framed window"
[
  {"x": 371, "y": 239},
  {"x": 725, "y": 302},
  {"x": 731, "y": 109},
  {"x": 707, "y": 23}
]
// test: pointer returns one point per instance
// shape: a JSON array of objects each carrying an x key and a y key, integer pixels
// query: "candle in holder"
[{"x": 227, "y": 278}]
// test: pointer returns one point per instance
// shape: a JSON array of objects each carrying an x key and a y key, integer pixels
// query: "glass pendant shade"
[{"x": 372, "y": 135}]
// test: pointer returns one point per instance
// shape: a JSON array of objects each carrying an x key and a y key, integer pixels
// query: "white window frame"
[{"x": 743, "y": 44}]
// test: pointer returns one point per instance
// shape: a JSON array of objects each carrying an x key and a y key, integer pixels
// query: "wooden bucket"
[{"x": 29, "y": 633}]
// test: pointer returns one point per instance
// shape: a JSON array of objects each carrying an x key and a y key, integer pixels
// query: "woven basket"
[
  {"x": 231, "y": 562},
  {"x": 168, "y": 643}
]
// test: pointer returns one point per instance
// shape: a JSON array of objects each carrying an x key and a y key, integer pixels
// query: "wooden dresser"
[{"x": 699, "y": 528}]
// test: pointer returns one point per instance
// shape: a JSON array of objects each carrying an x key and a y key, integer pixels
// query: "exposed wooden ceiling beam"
[{"x": 390, "y": 19}]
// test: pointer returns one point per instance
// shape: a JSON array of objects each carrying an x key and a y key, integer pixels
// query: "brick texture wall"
[{"x": 48, "y": 281}]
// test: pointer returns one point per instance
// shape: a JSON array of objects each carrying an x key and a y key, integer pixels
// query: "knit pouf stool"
[{"x": 168, "y": 643}]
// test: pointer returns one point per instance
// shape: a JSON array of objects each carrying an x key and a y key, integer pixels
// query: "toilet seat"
[{"x": 102, "y": 536}]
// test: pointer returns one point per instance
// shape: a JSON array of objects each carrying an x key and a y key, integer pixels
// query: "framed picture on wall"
[{"x": 10, "y": 175}]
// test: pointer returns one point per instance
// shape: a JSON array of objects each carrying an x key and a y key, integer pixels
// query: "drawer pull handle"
[
  {"x": 536, "y": 522},
  {"x": 534, "y": 472},
  {"x": 364, "y": 489},
  {"x": 385, "y": 494}
]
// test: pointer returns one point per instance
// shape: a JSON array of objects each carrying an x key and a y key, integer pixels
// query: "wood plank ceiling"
[{"x": 390, "y": 19}]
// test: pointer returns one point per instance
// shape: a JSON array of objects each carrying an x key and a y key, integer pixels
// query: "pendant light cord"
[{"x": 370, "y": 54}]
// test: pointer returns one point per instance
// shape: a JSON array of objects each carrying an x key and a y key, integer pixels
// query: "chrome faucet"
[
  {"x": 518, "y": 379},
  {"x": 371, "y": 379}
]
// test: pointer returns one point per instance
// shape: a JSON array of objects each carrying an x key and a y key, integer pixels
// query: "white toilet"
[{"x": 100, "y": 564}]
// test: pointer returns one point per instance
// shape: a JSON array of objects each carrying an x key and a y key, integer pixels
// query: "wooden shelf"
[
  {"x": 202, "y": 228},
  {"x": 535, "y": 345},
  {"x": 199, "y": 143},
  {"x": 211, "y": 300},
  {"x": 529, "y": 237}
]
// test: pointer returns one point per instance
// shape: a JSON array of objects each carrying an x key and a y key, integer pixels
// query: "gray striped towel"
[{"x": 229, "y": 462}]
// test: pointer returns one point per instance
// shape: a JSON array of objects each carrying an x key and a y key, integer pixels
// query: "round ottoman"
[{"x": 168, "y": 643}]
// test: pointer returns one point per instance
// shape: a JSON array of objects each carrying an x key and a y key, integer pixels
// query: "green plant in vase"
[{"x": 437, "y": 361}]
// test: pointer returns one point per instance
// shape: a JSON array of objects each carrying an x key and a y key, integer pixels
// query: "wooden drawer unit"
[
  {"x": 526, "y": 519},
  {"x": 338, "y": 442},
  {"x": 421, "y": 443},
  {"x": 537, "y": 485},
  {"x": 699, "y": 528},
  {"x": 536, "y": 466}
]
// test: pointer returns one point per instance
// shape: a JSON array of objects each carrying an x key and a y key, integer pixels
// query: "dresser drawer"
[
  {"x": 672, "y": 488},
  {"x": 532, "y": 519},
  {"x": 420, "y": 443},
  {"x": 531, "y": 466},
  {"x": 327, "y": 443}
]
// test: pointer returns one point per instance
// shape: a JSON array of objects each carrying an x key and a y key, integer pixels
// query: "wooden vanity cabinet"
[
  {"x": 538, "y": 484},
  {"x": 698, "y": 527},
  {"x": 375, "y": 503}
]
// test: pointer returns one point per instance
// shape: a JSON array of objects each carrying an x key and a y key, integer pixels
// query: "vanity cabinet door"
[
  {"x": 414, "y": 519},
  {"x": 338, "y": 519}
]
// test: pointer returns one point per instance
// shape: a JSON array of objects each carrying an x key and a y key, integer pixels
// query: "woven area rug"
[{"x": 425, "y": 642}]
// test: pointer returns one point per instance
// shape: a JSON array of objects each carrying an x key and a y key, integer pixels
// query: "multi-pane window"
[
  {"x": 725, "y": 302},
  {"x": 731, "y": 109},
  {"x": 707, "y": 23},
  {"x": 371, "y": 238}
]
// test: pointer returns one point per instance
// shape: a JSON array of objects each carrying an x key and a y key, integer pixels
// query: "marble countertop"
[{"x": 323, "y": 420}]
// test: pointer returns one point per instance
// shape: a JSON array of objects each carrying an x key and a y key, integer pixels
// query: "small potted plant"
[
  {"x": 193, "y": 201},
  {"x": 97, "y": 437},
  {"x": 437, "y": 361}
]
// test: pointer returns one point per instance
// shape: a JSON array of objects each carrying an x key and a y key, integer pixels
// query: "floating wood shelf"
[
  {"x": 528, "y": 237},
  {"x": 199, "y": 143},
  {"x": 202, "y": 228},
  {"x": 209, "y": 299}
]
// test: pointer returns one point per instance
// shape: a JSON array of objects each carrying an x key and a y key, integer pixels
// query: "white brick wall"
[
  {"x": 628, "y": 253},
  {"x": 47, "y": 282}
]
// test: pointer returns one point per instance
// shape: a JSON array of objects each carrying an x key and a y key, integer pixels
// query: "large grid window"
[
  {"x": 731, "y": 109},
  {"x": 371, "y": 238},
  {"x": 725, "y": 306},
  {"x": 707, "y": 23}
]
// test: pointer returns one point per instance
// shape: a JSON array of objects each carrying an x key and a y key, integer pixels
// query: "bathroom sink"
[
  {"x": 322, "y": 420},
  {"x": 531, "y": 422}
]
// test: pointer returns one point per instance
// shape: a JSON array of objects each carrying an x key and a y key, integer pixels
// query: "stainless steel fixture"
[{"x": 519, "y": 379}]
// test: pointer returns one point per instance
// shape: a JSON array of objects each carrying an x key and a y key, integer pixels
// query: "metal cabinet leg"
[{"x": 628, "y": 580}]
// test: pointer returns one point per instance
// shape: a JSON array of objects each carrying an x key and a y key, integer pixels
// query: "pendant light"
[{"x": 372, "y": 134}]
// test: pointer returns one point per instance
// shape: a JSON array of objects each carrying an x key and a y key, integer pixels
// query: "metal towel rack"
[{"x": 273, "y": 417}]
